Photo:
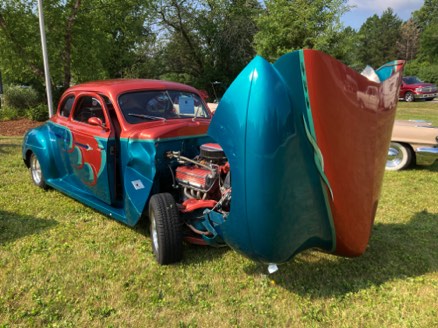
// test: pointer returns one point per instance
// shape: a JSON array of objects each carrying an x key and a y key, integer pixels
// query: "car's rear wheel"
[
  {"x": 165, "y": 229},
  {"x": 36, "y": 173},
  {"x": 399, "y": 157},
  {"x": 409, "y": 96}
]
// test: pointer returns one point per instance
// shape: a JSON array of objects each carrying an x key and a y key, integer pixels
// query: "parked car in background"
[
  {"x": 412, "y": 142},
  {"x": 412, "y": 88}
]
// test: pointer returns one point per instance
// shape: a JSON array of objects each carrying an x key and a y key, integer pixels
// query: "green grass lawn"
[{"x": 65, "y": 265}]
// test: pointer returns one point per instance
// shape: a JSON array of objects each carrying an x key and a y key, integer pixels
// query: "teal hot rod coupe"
[{"x": 275, "y": 171}]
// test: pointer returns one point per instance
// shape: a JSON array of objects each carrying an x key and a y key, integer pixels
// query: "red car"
[{"x": 413, "y": 88}]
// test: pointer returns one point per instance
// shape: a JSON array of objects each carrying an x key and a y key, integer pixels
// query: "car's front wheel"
[
  {"x": 399, "y": 156},
  {"x": 36, "y": 173},
  {"x": 165, "y": 229},
  {"x": 409, "y": 96}
]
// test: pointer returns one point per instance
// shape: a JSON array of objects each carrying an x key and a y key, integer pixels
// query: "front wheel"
[
  {"x": 409, "y": 96},
  {"x": 36, "y": 173},
  {"x": 399, "y": 157},
  {"x": 165, "y": 229}
]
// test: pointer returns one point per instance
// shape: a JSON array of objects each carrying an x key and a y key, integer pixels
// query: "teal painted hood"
[{"x": 279, "y": 204}]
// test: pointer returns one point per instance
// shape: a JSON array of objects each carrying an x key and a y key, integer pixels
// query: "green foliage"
[
  {"x": 38, "y": 113},
  {"x": 86, "y": 40},
  {"x": 291, "y": 25},
  {"x": 427, "y": 14},
  {"x": 206, "y": 41},
  {"x": 20, "y": 47},
  {"x": 429, "y": 73},
  {"x": 424, "y": 70},
  {"x": 196, "y": 41},
  {"x": 377, "y": 39},
  {"x": 429, "y": 42},
  {"x": 9, "y": 113},
  {"x": 20, "y": 97},
  {"x": 343, "y": 45}
]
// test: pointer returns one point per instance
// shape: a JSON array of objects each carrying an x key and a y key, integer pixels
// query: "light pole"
[{"x": 45, "y": 58}]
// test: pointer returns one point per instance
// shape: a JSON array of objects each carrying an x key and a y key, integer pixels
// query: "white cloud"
[{"x": 381, "y": 5}]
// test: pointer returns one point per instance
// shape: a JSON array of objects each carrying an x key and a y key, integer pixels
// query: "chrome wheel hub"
[
  {"x": 36, "y": 170},
  {"x": 395, "y": 157},
  {"x": 154, "y": 232}
]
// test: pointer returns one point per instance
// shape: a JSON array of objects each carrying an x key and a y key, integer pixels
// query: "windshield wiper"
[{"x": 148, "y": 117}]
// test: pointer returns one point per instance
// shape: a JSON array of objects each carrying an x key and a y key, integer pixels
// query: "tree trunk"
[{"x": 68, "y": 44}]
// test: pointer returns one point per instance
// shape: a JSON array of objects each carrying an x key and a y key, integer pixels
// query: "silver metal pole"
[{"x": 45, "y": 58}]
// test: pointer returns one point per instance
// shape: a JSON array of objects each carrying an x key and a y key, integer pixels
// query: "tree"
[
  {"x": 427, "y": 14},
  {"x": 20, "y": 59},
  {"x": 86, "y": 39},
  {"x": 206, "y": 41},
  {"x": 288, "y": 25},
  {"x": 427, "y": 19},
  {"x": 343, "y": 46},
  {"x": 407, "y": 45},
  {"x": 377, "y": 39}
]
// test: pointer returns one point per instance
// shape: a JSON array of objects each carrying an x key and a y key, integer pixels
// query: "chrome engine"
[{"x": 206, "y": 177}]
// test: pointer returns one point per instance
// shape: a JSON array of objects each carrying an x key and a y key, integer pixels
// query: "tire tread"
[{"x": 169, "y": 228}]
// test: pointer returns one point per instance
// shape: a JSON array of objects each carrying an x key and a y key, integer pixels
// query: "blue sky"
[{"x": 367, "y": 8}]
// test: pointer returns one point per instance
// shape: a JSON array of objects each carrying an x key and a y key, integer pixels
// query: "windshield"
[
  {"x": 411, "y": 80},
  {"x": 141, "y": 106}
]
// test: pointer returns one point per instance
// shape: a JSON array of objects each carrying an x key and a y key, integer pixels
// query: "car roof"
[{"x": 119, "y": 86}]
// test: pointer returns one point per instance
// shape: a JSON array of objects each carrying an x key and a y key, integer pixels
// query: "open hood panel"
[{"x": 307, "y": 156}]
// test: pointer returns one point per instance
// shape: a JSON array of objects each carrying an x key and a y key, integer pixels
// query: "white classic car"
[{"x": 412, "y": 142}]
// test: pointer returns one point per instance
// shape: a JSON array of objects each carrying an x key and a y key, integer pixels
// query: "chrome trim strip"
[{"x": 426, "y": 155}]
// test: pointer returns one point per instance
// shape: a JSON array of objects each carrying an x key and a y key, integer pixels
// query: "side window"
[
  {"x": 66, "y": 106},
  {"x": 88, "y": 107}
]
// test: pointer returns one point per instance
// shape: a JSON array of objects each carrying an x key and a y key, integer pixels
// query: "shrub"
[
  {"x": 424, "y": 70},
  {"x": 20, "y": 97},
  {"x": 38, "y": 113},
  {"x": 9, "y": 113},
  {"x": 429, "y": 73}
]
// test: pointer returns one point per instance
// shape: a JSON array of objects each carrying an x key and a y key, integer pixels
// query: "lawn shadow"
[
  {"x": 396, "y": 251},
  {"x": 193, "y": 254},
  {"x": 8, "y": 148},
  {"x": 14, "y": 226}
]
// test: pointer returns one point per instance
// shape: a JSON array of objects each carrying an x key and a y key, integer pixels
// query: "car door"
[{"x": 90, "y": 150}]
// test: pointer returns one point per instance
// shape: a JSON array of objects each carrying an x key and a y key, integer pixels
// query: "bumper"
[
  {"x": 426, "y": 155},
  {"x": 425, "y": 95}
]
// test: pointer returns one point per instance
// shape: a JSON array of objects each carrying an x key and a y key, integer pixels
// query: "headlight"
[{"x": 419, "y": 89}]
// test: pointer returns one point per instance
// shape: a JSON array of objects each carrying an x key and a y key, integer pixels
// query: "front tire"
[
  {"x": 399, "y": 157},
  {"x": 409, "y": 97},
  {"x": 36, "y": 173},
  {"x": 165, "y": 229}
]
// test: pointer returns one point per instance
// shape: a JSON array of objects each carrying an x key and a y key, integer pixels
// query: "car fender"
[
  {"x": 138, "y": 176},
  {"x": 40, "y": 142}
]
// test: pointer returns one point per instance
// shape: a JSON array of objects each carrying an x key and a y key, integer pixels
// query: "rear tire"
[
  {"x": 399, "y": 157},
  {"x": 36, "y": 173},
  {"x": 165, "y": 229}
]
